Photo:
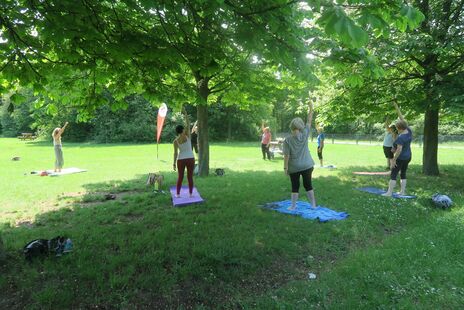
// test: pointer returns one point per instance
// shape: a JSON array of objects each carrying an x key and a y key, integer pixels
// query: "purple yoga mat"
[{"x": 184, "y": 198}]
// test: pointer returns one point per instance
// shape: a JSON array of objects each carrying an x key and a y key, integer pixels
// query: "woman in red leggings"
[{"x": 183, "y": 156}]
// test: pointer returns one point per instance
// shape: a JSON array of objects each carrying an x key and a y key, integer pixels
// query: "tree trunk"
[
  {"x": 202, "y": 118},
  {"x": 430, "y": 149},
  {"x": 203, "y": 144}
]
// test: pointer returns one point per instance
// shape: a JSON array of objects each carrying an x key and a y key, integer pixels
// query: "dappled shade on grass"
[{"x": 138, "y": 250}]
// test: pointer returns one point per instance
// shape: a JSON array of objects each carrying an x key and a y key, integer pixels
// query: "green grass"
[{"x": 139, "y": 252}]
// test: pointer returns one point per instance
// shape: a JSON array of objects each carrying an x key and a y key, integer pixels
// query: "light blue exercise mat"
[
  {"x": 304, "y": 210},
  {"x": 378, "y": 191},
  {"x": 326, "y": 167}
]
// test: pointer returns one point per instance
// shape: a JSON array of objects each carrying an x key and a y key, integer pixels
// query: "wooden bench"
[{"x": 27, "y": 136}]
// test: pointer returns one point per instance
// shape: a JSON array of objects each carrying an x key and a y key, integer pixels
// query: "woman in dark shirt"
[
  {"x": 402, "y": 155},
  {"x": 194, "y": 137}
]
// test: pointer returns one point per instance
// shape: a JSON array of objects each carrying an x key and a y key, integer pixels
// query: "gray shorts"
[{"x": 59, "y": 161}]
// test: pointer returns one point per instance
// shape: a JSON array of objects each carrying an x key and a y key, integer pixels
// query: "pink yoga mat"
[
  {"x": 372, "y": 173},
  {"x": 184, "y": 198}
]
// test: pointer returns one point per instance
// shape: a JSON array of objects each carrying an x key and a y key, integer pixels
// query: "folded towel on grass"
[{"x": 62, "y": 172}]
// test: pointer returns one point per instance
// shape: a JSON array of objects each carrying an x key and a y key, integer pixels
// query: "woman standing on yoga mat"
[
  {"x": 402, "y": 154},
  {"x": 183, "y": 155},
  {"x": 59, "y": 161},
  {"x": 297, "y": 159}
]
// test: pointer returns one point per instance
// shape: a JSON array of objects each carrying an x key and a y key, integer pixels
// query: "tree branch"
[{"x": 264, "y": 10}]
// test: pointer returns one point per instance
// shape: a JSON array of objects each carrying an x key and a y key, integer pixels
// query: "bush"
[
  {"x": 17, "y": 117},
  {"x": 135, "y": 123}
]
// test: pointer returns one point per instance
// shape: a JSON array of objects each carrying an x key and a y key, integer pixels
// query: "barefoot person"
[
  {"x": 265, "y": 141},
  {"x": 297, "y": 159},
  {"x": 402, "y": 154},
  {"x": 183, "y": 156},
  {"x": 390, "y": 137},
  {"x": 56, "y": 135}
]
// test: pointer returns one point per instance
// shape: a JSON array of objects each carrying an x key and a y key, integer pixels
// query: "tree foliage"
[
  {"x": 421, "y": 68},
  {"x": 186, "y": 51}
]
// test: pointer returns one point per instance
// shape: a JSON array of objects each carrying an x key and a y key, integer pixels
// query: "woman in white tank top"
[
  {"x": 59, "y": 161},
  {"x": 183, "y": 156}
]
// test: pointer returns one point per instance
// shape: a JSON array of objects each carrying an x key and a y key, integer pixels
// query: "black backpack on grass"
[{"x": 44, "y": 247}]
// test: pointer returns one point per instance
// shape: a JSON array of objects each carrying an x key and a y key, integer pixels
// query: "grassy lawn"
[{"x": 139, "y": 252}]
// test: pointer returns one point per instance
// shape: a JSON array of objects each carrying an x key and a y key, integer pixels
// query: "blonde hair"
[
  {"x": 401, "y": 124},
  {"x": 55, "y": 131},
  {"x": 297, "y": 123}
]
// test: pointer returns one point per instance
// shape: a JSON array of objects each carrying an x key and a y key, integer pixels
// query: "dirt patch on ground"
[
  {"x": 25, "y": 223},
  {"x": 89, "y": 199}
]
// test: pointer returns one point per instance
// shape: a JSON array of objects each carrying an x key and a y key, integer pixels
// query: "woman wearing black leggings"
[
  {"x": 402, "y": 155},
  {"x": 297, "y": 159}
]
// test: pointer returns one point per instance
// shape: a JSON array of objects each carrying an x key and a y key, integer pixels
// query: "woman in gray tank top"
[{"x": 297, "y": 159}]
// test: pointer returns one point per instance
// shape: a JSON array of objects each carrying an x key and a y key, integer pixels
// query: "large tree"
[
  {"x": 422, "y": 69},
  {"x": 182, "y": 50},
  {"x": 433, "y": 56}
]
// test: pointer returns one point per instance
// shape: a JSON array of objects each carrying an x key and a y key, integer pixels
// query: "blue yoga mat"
[
  {"x": 304, "y": 210},
  {"x": 378, "y": 191}
]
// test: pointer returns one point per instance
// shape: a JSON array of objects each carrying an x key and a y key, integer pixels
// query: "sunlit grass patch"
[{"x": 136, "y": 250}]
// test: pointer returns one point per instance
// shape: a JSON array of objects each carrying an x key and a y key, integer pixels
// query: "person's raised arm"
[
  {"x": 187, "y": 122},
  {"x": 194, "y": 127},
  {"x": 262, "y": 125},
  {"x": 310, "y": 114},
  {"x": 387, "y": 123},
  {"x": 63, "y": 128},
  {"x": 398, "y": 111}
]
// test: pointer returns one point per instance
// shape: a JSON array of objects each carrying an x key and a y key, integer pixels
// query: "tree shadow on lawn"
[{"x": 138, "y": 251}]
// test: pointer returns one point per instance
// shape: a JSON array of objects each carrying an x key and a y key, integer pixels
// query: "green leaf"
[
  {"x": 357, "y": 35},
  {"x": 17, "y": 99},
  {"x": 411, "y": 16},
  {"x": 354, "y": 80},
  {"x": 52, "y": 109}
]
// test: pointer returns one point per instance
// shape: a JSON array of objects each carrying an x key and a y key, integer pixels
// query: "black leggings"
[
  {"x": 319, "y": 153},
  {"x": 295, "y": 179},
  {"x": 265, "y": 150},
  {"x": 401, "y": 165}
]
